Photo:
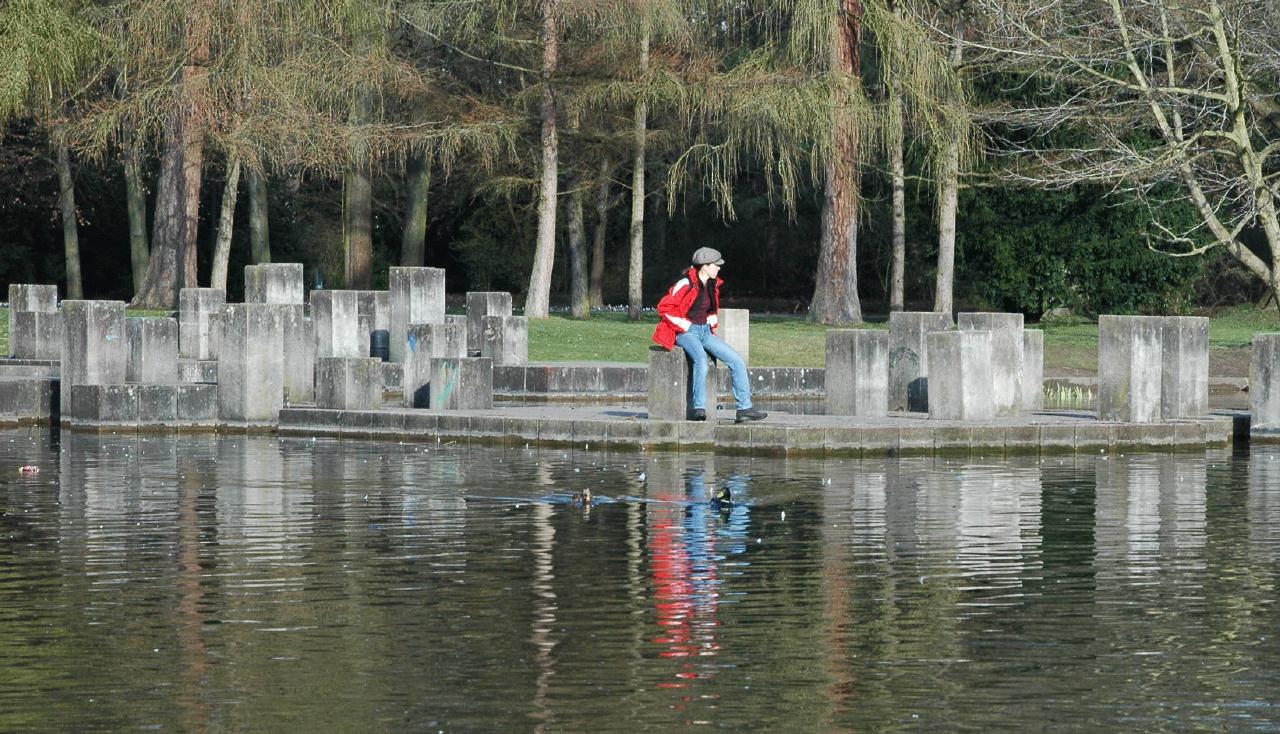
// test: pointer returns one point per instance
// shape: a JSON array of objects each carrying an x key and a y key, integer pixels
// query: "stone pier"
[
  {"x": 963, "y": 390},
  {"x": 349, "y": 383},
  {"x": 1130, "y": 357},
  {"x": 1007, "y": 355},
  {"x": 735, "y": 330},
  {"x": 909, "y": 357},
  {"x": 198, "y": 311},
  {"x": 417, "y": 297},
  {"x": 426, "y": 342},
  {"x": 153, "y": 351},
  {"x": 335, "y": 316},
  {"x": 374, "y": 310},
  {"x": 35, "y": 326},
  {"x": 669, "y": 392},
  {"x": 505, "y": 339},
  {"x": 461, "y": 383},
  {"x": 251, "y": 364},
  {"x": 857, "y": 372},
  {"x": 479, "y": 305},
  {"x": 1032, "y": 370},
  {"x": 299, "y": 354},
  {"x": 1184, "y": 389},
  {"x": 274, "y": 283},
  {"x": 95, "y": 345},
  {"x": 1264, "y": 386}
]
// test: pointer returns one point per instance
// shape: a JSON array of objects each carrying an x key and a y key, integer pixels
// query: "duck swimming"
[
  {"x": 582, "y": 498},
  {"x": 721, "y": 498}
]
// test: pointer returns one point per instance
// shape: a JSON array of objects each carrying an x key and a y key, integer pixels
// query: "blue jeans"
[{"x": 697, "y": 343}]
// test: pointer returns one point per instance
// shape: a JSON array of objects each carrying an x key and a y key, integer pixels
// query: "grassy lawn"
[{"x": 790, "y": 341}]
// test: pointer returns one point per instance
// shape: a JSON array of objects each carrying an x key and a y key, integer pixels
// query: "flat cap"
[{"x": 707, "y": 256}]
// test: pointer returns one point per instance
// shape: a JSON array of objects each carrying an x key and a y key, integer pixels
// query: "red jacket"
[{"x": 673, "y": 309}]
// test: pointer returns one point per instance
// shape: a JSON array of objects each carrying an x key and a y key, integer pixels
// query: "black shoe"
[
  {"x": 750, "y": 414},
  {"x": 698, "y": 414}
]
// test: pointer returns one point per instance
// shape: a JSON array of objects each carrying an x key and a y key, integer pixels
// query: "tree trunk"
[
  {"x": 897, "y": 172},
  {"x": 259, "y": 221},
  {"x": 635, "y": 271},
  {"x": 177, "y": 216},
  {"x": 579, "y": 305},
  {"x": 537, "y": 301},
  {"x": 413, "y": 247},
  {"x": 70, "y": 229},
  {"x": 595, "y": 292},
  {"x": 948, "y": 196},
  {"x": 136, "y": 205},
  {"x": 357, "y": 227},
  {"x": 226, "y": 225},
  {"x": 835, "y": 293}
]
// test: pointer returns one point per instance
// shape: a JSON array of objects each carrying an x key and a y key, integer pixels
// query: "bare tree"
[{"x": 1167, "y": 96}]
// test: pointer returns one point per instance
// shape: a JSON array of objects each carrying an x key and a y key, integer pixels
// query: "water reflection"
[{"x": 258, "y": 583}]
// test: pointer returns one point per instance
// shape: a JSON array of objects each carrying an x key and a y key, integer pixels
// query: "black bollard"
[{"x": 380, "y": 345}]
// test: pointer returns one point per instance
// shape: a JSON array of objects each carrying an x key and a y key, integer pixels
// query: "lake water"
[{"x": 265, "y": 584}]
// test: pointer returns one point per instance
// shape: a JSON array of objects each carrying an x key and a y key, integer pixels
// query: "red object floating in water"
[{"x": 29, "y": 469}]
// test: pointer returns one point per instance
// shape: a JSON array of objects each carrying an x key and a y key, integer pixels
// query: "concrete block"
[
  {"x": 197, "y": 371},
  {"x": 251, "y": 364},
  {"x": 857, "y": 372},
  {"x": 1032, "y": 370},
  {"x": 35, "y": 334},
  {"x": 1007, "y": 356},
  {"x": 26, "y": 298},
  {"x": 274, "y": 283},
  {"x": 425, "y": 342},
  {"x": 197, "y": 403},
  {"x": 735, "y": 330},
  {"x": 505, "y": 339},
  {"x": 1184, "y": 385},
  {"x": 157, "y": 404},
  {"x": 461, "y": 383},
  {"x": 26, "y": 399},
  {"x": 299, "y": 355},
  {"x": 417, "y": 297},
  {"x": 198, "y": 311},
  {"x": 95, "y": 346},
  {"x": 373, "y": 310},
  {"x": 349, "y": 383},
  {"x": 669, "y": 395},
  {"x": 1264, "y": 383},
  {"x": 1130, "y": 356},
  {"x": 153, "y": 350},
  {"x": 909, "y": 357},
  {"x": 964, "y": 389},
  {"x": 82, "y": 405},
  {"x": 392, "y": 375},
  {"x": 479, "y": 305},
  {"x": 118, "y": 403},
  {"x": 335, "y": 316}
]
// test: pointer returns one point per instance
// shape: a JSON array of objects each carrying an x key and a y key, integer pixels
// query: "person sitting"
[{"x": 688, "y": 318}]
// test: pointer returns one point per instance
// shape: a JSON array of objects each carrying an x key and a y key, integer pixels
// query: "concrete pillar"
[
  {"x": 23, "y": 340},
  {"x": 857, "y": 372},
  {"x": 198, "y": 311},
  {"x": 962, "y": 387},
  {"x": 1007, "y": 356},
  {"x": 669, "y": 395},
  {"x": 424, "y": 343},
  {"x": 251, "y": 363},
  {"x": 374, "y": 310},
  {"x": 909, "y": 357},
  {"x": 505, "y": 339},
  {"x": 479, "y": 305},
  {"x": 1184, "y": 389},
  {"x": 417, "y": 297},
  {"x": 1032, "y": 370},
  {"x": 461, "y": 383},
  {"x": 35, "y": 335},
  {"x": 299, "y": 354},
  {"x": 274, "y": 283},
  {"x": 735, "y": 330},
  {"x": 335, "y": 316},
  {"x": 349, "y": 383},
  {"x": 1130, "y": 357},
  {"x": 95, "y": 346},
  {"x": 1264, "y": 383},
  {"x": 153, "y": 351}
]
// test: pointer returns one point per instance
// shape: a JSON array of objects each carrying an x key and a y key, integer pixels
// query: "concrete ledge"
[
  {"x": 28, "y": 400},
  {"x": 781, "y": 434}
]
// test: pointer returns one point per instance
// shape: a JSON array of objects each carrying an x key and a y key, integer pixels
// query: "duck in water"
[
  {"x": 581, "y": 499},
  {"x": 721, "y": 499}
]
